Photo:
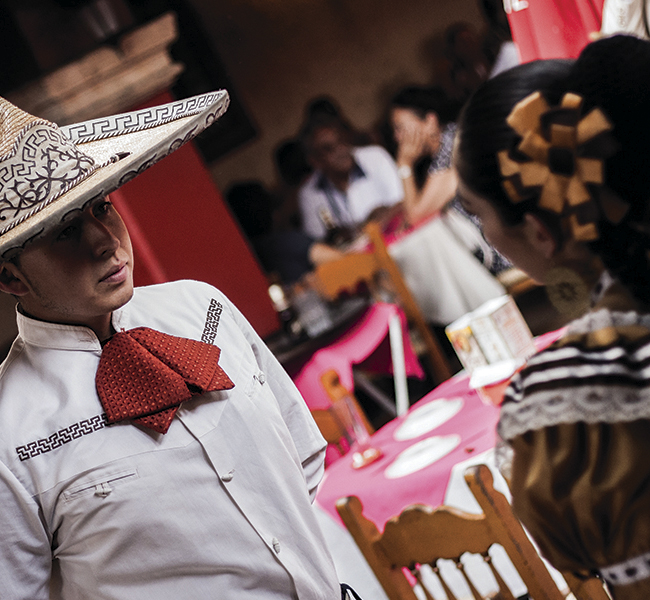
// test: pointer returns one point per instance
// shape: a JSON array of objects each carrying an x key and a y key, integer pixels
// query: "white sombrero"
[{"x": 46, "y": 171}]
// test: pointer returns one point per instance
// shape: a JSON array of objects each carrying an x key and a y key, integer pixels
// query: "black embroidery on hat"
[{"x": 49, "y": 163}]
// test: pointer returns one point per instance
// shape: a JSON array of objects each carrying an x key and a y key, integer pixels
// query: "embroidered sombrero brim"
[{"x": 48, "y": 173}]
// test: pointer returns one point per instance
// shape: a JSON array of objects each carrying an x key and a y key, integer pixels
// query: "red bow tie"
[{"x": 144, "y": 375}]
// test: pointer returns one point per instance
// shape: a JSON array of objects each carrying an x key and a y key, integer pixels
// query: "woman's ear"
[
  {"x": 11, "y": 281},
  {"x": 540, "y": 236}
]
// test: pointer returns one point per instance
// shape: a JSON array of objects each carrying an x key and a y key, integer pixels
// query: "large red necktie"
[{"x": 144, "y": 375}]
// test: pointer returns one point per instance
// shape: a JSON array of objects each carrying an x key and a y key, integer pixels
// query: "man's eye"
[
  {"x": 67, "y": 233},
  {"x": 102, "y": 208}
]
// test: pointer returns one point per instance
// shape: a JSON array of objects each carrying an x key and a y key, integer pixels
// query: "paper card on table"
[
  {"x": 422, "y": 454},
  {"x": 495, "y": 332},
  {"x": 426, "y": 418}
]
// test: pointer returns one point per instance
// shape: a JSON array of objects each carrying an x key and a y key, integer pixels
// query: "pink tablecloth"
[
  {"x": 384, "y": 498},
  {"x": 366, "y": 343}
]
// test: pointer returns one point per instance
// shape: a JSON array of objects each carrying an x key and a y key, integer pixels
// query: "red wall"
[{"x": 181, "y": 229}]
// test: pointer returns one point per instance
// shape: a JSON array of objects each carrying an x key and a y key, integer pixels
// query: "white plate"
[
  {"x": 426, "y": 418},
  {"x": 421, "y": 455}
]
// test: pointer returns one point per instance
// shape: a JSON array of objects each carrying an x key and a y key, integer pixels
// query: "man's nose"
[{"x": 100, "y": 238}]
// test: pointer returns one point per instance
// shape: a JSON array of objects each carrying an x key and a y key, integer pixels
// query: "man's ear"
[
  {"x": 540, "y": 236},
  {"x": 11, "y": 281}
]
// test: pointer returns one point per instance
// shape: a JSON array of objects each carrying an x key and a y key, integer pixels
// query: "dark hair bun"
[{"x": 614, "y": 75}]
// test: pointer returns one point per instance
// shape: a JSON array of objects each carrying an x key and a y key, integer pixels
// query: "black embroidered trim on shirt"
[
  {"x": 212, "y": 322},
  {"x": 63, "y": 436}
]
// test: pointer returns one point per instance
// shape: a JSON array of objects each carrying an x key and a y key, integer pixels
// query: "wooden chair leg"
[{"x": 439, "y": 364}]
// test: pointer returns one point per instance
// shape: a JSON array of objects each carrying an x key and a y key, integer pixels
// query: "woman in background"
[
  {"x": 423, "y": 122},
  {"x": 423, "y": 125},
  {"x": 553, "y": 158},
  {"x": 441, "y": 257}
]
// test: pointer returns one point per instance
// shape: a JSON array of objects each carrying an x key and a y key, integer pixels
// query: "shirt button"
[
  {"x": 275, "y": 542},
  {"x": 261, "y": 377},
  {"x": 226, "y": 477},
  {"x": 102, "y": 490}
]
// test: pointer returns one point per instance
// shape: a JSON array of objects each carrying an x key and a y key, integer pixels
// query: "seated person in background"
[
  {"x": 288, "y": 252},
  {"x": 467, "y": 64},
  {"x": 326, "y": 107},
  {"x": 151, "y": 446},
  {"x": 553, "y": 158},
  {"x": 349, "y": 184},
  {"x": 423, "y": 124}
]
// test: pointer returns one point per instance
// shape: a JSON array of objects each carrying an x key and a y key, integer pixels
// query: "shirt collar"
[
  {"x": 322, "y": 182},
  {"x": 60, "y": 336}
]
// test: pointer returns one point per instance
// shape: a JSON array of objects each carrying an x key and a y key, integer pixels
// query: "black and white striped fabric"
[{"x": 599, "y": 372}]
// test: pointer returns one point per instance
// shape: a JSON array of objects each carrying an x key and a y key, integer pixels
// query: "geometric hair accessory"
[{"x": 559, "y": 163}]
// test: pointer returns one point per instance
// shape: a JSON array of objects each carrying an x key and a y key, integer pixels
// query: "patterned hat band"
[
  {"x": 47, "y": 171},
  {"x": 559, "y": 163}
]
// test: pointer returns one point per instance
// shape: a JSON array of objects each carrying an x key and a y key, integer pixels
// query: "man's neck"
[
  {"x": 341, "y": 181},
  {"x": 101, "y": 326}
]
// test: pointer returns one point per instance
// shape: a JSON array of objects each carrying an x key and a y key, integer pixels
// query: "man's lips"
[{"x": 116, "y": 274}]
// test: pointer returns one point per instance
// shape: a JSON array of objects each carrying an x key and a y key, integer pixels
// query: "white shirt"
[
  {"x": 626, "y": 16},
  {"x": 373, "y": 183},
  {"x": 218, "y": 507}
]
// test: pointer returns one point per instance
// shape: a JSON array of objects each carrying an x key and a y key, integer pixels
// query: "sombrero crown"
[{"x": 47, "y": 171}]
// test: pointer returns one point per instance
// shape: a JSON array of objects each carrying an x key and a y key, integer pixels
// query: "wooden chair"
[
  {"x": 347, "y": 273},
  {"x": 498, "y": 510},
  {"x": 331, "y": 425},
  {"x": 422, "y": 535}
]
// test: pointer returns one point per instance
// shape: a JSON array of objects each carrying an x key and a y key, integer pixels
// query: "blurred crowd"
[{"x": 333, "y": 178}]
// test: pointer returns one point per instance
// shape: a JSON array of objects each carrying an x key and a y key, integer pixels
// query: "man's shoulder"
[
  {"x": 371, "y": 152},
  {"x": 176, "y": 305},
  {"x": 174, "y": 289},
  {"x": 376, "y": 162},
  {"x": 310, "y": 186}
]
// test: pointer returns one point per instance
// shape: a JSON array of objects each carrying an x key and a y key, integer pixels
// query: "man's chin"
[{"x": 122, "y": 297}]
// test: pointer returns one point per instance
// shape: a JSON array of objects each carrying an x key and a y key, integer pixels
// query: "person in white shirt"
[
  {"x": 626, "y": 16},
  {"x": 203, "y": 496},
  {"x": 349, "y": 184}
]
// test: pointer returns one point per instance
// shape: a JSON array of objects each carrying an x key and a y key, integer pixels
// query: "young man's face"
[
  {"x": 331, "y": 152},
  {"x": 79, "y": 273}
]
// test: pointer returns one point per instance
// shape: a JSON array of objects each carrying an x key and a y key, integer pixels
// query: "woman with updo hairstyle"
[{"x": 554, "y": 159}]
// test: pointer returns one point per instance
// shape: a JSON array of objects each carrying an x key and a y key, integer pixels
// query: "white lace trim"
[
  {"x": 599, "y": 319},
  {"x": 627, "y": 572},
  {"x": 588, "y": 404},
  {"x": 617, "y": 402}
]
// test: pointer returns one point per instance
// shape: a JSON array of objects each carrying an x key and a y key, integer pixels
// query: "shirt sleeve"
[
  {"x": 387, "y": 170},
  {"x": 25, "y": 554},
  {"x": 309, "y": 201},
  {"x": 583, "y": 492},
  {"x": 306, "y": 436}
]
